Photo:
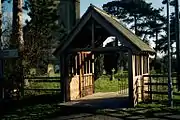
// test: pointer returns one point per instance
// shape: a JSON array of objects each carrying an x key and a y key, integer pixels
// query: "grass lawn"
[
  {"x": 42, "y": 85},
  {"x": 104, "y": 84},
  {"x": 40, "y": 108},
  {"x": 34, "y": 108}
]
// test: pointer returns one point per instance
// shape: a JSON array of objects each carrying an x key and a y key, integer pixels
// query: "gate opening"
[{"x": 99, "y": 78}]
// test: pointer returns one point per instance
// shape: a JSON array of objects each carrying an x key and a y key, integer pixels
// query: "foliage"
[
  {"x": 98, "y": 65},
  {"x": 146, "y": 21},
  {"x": 39, "y": 33},
  {"x": 104, "y": 84},
  {"x": 163, "y": 42},
  {"x": 6, "y": 27},
  {"x": 41, "y": 85},
  {"x": 117, "y": 60}
]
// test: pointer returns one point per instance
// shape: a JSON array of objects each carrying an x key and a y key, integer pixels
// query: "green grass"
[
  {"x": 35, "y": 112},
  {"x": 34, "y": 85},
  {"x": 104, "y": 84},
  {"x": 42, "y": 85},
  {"x": 33, "y": 108},
  {"x": 163, "y": 88},
  {"x": 163, "y": 98}
]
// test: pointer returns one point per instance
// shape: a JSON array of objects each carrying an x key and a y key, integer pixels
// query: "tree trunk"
[
  {"x": 16, "y": 42},
  {"x": 135, "y": 24},
  {"x": 17, "y": 23},
  {"x": 1, "y": 61},
  {"x": 156, "y": 42}
]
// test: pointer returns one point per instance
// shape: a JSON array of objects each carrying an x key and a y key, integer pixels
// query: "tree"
[
  {"x": 163, "y": 42},
  {"x": 6, "y": 30},
  {"x": 140, "y": 15},
  {"x": 15, "y": 66},
  {"x": 40, "y": 33}
]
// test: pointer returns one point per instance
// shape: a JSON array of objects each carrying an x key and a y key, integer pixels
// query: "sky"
[
  {"x": 84, "y": 4},
  {"x": 99, "y": 3}
]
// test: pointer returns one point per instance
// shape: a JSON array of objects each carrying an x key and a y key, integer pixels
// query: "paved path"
[
  {"x": 120, "y": 114},
  {"x": 112, "y": 106},
  {"x": 100, "y": 100}
]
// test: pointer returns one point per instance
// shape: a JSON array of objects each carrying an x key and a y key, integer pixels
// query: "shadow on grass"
[
  {"x": 36, "y": 107},
  {"x": 47, "y": 107}
]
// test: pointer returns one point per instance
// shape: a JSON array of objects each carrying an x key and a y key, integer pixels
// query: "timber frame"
[{"x": 88, "y": 36}]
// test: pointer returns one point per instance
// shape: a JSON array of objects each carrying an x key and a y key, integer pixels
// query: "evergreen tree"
[
  {"x": 40, "y": 32},
  {"x": 163, "y": 41},
  {"x": 146, "y": 21}
]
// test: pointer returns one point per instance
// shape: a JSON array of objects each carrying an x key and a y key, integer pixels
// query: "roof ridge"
[
  {"x": 113, "y": 17},
  {"x": 110, "y": 15}
]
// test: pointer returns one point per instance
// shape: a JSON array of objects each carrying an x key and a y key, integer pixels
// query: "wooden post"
[
  {"x": 142, "y": 80},
  {"x": 62, "y": 78},
  {"x": 86, "y": 62},
  {"x": 130, "y": 79},
  {"x": 93, "y": 29},
  {"x": 116, "y": 42},
  {"x": 148, "y": 68},
  {"x": 150, "y": 80},
  {"x": 76, "y": 64},
  {"x": 65, "y": 93},
  {"x": 93, "y": 73},
  {"x": 80, "y": 74},
  {"x": 89, "y": 66}
]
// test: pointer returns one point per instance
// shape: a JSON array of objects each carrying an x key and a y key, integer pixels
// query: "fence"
[
  {"x": 34, "y": 86},
  {"x": 158, "y": 88}
]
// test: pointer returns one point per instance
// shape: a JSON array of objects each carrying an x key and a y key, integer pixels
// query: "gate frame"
[
  {"x": 95, "y": 18},
  {"x": 65, "y": 89}
]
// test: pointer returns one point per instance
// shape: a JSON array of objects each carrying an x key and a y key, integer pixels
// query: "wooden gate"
[
  {"x": 82, "y": 81},
  {"x": 86, "y": 74}
]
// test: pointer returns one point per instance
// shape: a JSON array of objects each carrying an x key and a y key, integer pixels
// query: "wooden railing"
[
  {"x": 41, "y": 85},
  {"x": 158, "y": 87}
]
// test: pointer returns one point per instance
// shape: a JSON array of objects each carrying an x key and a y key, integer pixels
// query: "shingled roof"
[{"x": 123, "y": 30}]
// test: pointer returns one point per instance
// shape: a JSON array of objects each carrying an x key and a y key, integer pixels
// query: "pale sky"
[
  {"x": 84, "y": 4},
  {"x": 99, "y": 3}
]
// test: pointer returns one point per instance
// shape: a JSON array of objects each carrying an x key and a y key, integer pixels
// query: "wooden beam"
[
  {"x": 113, "y": 31},
  {"x": 76, "y": 64},
  {"x": 130, "y": 79},
  {"x": 93, "y": 32},
  {"x": 116, "y": 41},
  {"x": 80, "y": 74},
  {"x": 92, "y": 68},
  {"x": 86, "y": 64},
  {"x": 62, "y": 75},
  {"x": 100, "y": 49},
  {"x": 66, "y": 77}
]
